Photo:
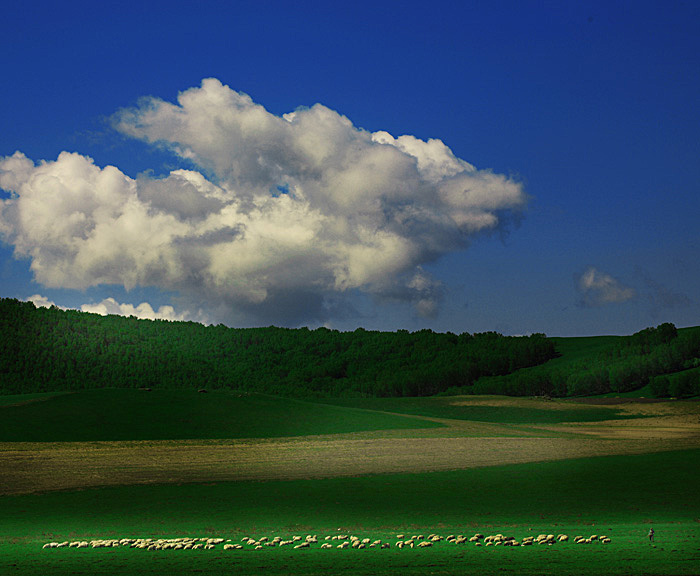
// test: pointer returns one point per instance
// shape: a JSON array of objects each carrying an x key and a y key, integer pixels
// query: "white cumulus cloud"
[
  {"x": 143, "y": 311},
  {"x": 110, "y": 306},
  {"x": 282, "y": 217},
  {"x": 597, "y": 288}
]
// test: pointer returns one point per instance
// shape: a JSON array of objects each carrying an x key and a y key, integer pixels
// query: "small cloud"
[
  {"x": 596, "y": 288},
  {"x": 143, "y": 311},
  {"x": 42, "y": 302}
]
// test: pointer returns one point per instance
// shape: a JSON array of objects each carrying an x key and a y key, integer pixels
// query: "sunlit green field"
[{"x": 620, "y": 496}]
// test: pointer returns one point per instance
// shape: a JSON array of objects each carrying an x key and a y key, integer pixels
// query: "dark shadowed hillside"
[{"x": 47, "y": 349}]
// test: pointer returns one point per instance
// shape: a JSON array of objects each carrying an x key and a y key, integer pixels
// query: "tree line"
[{"x": 48, "y": 349}]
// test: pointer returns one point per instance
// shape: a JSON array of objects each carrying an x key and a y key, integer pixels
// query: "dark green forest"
[{"x": 48, "y": 349}]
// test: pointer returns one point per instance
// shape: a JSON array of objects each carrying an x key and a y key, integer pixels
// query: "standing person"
[{"x": 651, "y": 534}]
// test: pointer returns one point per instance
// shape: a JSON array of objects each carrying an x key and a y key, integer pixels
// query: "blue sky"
[{"x": 547, "y": 178}]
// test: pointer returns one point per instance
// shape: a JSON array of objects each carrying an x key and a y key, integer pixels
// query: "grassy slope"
[
  {"x": 445, "y": 407},
  {"x": 573, "y": 354},
  {"x": 619, "y": 496},
  {"x": 15, "y": 399},
  {"x": 587, "y": 350},
  {"x": 119, "y": 414},
  {"x": 127, "y": 414},
  {"x": 584, "y": 348}
]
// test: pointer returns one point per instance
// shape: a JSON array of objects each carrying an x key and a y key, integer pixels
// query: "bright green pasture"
[
  {"x": 620, "y": 496},
  {"x": 129, "y": 414},
  {"x": 449, "y": 407}
]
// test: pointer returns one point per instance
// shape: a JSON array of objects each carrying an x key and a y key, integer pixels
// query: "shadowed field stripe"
[{"x": 30, "y": 467}]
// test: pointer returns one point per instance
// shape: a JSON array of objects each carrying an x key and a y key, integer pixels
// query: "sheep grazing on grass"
[{"x": 309, "y": 540}]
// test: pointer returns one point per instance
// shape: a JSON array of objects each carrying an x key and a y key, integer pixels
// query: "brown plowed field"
[{"x": 31, "y": 467}]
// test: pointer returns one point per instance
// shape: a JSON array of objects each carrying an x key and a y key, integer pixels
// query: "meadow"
[{"x": 445, "y": 466}]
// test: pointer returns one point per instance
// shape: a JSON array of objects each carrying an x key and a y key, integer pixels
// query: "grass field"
[
  {"x": 502, "y": 412},
  {"x": 130, "y": 414},
  {"x": 588, "y": 469}
]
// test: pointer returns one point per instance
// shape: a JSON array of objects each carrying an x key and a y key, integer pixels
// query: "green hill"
[
  {"x": 51, "y": 349},
  {"x": 47, "y": 350}
]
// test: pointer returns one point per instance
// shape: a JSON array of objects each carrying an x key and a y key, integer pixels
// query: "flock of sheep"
[{"x": 340, "y": 541}]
